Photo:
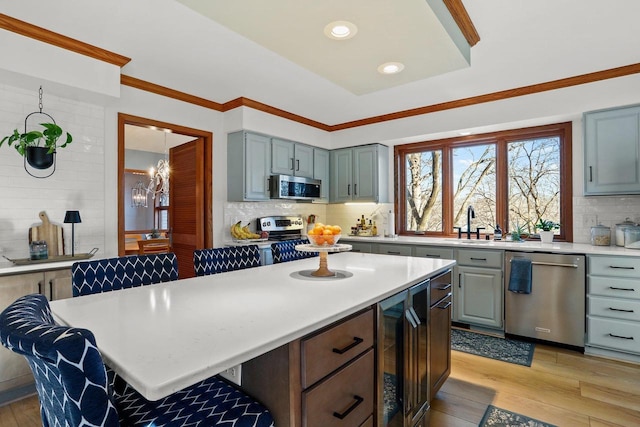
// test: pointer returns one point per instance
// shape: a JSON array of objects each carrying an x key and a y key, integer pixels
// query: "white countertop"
[
  {"x": 7, "y": 268},
  {"x": 526, "y": 246},
  {"x": 164, "y": 337}
]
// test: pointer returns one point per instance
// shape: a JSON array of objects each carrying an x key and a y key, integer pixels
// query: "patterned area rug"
[
  {"x": 506, "y": 350},
  {"x": 501, "y": 417}
]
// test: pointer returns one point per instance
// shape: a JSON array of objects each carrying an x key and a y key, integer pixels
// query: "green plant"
[
  {"x": 547, "y": 225},
  {"x": 48, "y": 138},
  {"x": 519, "y": 232}
]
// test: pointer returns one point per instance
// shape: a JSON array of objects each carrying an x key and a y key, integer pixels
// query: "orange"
[
  {"x": 327, "y": 231},
  {"x": 329, "y": 240}
]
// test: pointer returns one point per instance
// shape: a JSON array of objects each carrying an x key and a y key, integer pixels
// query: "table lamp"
[{"x": 73, "y": 218}]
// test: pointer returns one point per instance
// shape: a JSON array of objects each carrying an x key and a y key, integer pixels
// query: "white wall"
[{"x": 86, "y": 176}]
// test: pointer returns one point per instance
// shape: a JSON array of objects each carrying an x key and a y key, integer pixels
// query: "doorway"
[{"x": 194, "y": 204}]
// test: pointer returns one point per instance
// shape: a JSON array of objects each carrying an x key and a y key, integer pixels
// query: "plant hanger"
[{"x": 39, "y": 158}]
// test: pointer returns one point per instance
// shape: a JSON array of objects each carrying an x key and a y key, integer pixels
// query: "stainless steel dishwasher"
[{"x": 555, "y": 309}]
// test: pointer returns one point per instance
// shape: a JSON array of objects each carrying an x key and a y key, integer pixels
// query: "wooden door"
[{"x": 187, "y": 203}]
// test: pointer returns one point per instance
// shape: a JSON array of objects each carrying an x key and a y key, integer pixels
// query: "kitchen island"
[{"x": 164, "y": 337}]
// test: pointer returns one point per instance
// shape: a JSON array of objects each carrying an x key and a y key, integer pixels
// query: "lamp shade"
[{"x": 72, "y": 217}]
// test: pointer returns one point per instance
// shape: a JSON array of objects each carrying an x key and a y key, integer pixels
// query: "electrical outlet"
[
  {"x": 233, "y": 374},
  {"x": 589, "y": 220}
]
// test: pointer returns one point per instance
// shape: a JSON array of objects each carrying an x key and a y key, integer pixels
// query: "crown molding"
[{"x": 38, "y": 33}]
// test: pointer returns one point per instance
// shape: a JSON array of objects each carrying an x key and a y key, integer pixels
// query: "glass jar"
[
  {"x": 632, "y": 237},
  {"x": 600, "y": 235},
  {"x": 38, "y": 249},
  {"x": 620, "y": 231}
]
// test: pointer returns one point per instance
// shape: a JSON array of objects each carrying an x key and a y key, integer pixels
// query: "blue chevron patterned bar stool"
[
  {"x": 219, "y": 260},
  {"x": 76, "y": 389},
  {"x": 286, "y": 251},
  {"x": 103, "y": 275}
]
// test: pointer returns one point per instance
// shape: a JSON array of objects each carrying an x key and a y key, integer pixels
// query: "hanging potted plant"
[
  {"x": 38, "y": 147},
  {"x": 545, "y": 229}
]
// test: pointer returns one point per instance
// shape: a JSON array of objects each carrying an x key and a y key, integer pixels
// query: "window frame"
[{"x": 501, "y": 139}]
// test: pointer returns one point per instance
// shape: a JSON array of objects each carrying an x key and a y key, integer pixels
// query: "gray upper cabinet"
[
  {"x": 612, "y": 151},
  {"x": 360, "y": 174},
  {"x": 291, "y": 158},
  {"x": 321, "y": 172},
  {"x": 248, "y": 166}
]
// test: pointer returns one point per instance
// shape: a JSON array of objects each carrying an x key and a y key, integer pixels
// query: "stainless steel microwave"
[{"x": 294, "y": 187}]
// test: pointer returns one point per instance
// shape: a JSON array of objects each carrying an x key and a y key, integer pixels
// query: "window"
[{"x": 511, "y": 178}]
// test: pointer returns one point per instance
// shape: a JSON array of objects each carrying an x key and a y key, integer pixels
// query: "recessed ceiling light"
[
  {"x": 340, "y": 30},
  {"x": 390, "y": 68},
  {"x": 465, "y": 133}
]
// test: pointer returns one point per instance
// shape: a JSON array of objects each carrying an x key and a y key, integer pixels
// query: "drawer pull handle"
[
  {"x": 477, "y": 259},
  {"x": 621, "y": 289},
  {"x": 393, "y": 253},
  {"x": 356, "y": 341},
  {"x": 444, "y": 288},
  {"x": 619, "y": 309},
  {"x": 622, "y": 268},
  {"x": 354, "y": 405},
  {"x": 445, "y": 306},
  {"x": 431, "y": 256},
  {"x": 620, "y": 336}
]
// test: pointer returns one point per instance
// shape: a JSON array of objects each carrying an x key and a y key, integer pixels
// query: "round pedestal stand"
[{"x": 323, "y": 270}]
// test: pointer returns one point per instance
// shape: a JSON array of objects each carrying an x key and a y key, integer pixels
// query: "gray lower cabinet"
[
  {"x": 15, "y": 375},
  {"x": 361, "y": 247},
  {"x": 612, "y": 151},
  {"x": 393, "y": 249},
  {"x": 433, "y": 252},
  {"x": 613, "y": 306},
  {"x": 248, "y": 166},
  {"x": 478, "y": 288}
]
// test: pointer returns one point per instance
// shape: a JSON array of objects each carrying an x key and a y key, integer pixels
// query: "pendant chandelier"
[
  {"x": 139, "y": 195},
  {"x": 159, "y": 183}
]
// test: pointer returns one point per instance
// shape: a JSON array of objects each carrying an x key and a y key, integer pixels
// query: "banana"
[
  {"x": 239, "y": 232},
  {"x": 236, "y": 231}
]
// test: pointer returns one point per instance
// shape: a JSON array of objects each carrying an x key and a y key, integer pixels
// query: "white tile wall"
[
  {"x": 77, "y": 184},
  {"x": 605, "y": 210}
]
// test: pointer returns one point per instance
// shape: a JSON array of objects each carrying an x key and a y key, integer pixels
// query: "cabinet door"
[
  {"x": 439, "y": 344},
  {"x": 612, "y": 151},
  {"x": 321, "y": 172},
  {"x": 303, "y": 165},
  {"x": 282, "y": 157},
  {"x": 14, "y": 370},
  {"x": 57, "y": 284},
  {"x": 257, "y": 166},
  {"x": 418, "y": 367},
  {"x": 479, "y": 297},
  {"x": 341, "y": 175},
  {"x": 365, "y": 173}
]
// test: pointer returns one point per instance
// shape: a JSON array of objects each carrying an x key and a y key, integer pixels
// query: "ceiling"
[
  {"x": 521, "y": 43},
  {"x": 410, "y": 32}
]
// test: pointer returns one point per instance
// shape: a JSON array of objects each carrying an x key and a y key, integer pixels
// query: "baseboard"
[{"x": 18, "y": 393}]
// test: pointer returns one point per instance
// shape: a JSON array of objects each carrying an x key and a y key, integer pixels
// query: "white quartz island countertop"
[{"x": 164, "y": 337}]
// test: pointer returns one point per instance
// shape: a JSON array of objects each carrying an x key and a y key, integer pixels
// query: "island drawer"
[
  {"x": 615, "y": 334},
  {"x": 616, "y": 308},
  {"x": 480, "y": 258},
  {"x": 614, "y": 287},
  {"x": 440, "y": 287},
  {"x": 343, "y": 399},
  {"x": 615, "y": 266},
  {"x": 432, "y": 252},
  {"x": 327, "y": 351}
]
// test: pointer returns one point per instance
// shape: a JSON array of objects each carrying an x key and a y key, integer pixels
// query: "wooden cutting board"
[{"x": 51, "y": 233}]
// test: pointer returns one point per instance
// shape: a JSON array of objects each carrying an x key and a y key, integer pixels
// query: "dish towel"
[{"x": 520, "y": 277}]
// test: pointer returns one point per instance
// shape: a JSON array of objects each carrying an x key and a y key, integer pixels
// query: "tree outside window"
[{"x": 512, "y": 178}]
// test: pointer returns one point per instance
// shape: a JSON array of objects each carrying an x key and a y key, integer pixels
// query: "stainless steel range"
[{"x": 282, "y": 227}]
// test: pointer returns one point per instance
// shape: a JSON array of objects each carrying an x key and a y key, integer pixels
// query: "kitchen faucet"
[{"x": 470, "y": 214}]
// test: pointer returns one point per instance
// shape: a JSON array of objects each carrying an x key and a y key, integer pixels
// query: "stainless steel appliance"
[
  {"x": 294, "y": 187},
  {"x": 555, "y": 309},
  {"x": 282, "y": 227}
]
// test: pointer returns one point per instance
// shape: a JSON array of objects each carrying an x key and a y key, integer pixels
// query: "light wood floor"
[{"x": 561, "y": 387}]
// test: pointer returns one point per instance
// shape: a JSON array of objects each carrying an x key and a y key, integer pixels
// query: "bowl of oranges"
[{"x": 324, "y": 235}]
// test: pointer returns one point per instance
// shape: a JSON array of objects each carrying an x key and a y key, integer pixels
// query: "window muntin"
[{"x": 498, "y": 197}]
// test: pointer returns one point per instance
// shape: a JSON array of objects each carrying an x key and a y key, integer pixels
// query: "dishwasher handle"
[{"x": 553, "y": 264}]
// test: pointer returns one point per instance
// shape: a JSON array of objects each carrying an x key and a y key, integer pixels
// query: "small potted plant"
[
  {"x": 545, "y": 229},
  {"x": 519, "y": 233},
  {"x": 36, "y": 146}
]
